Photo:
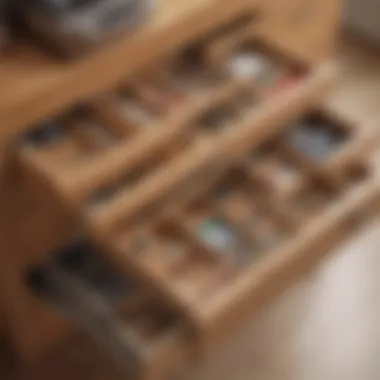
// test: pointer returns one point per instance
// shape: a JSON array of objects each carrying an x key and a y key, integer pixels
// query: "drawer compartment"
[
  {"x": 116, "y": 154},
  {"x": 266, "y": 221},
  {"x": 144, "y": 340}
]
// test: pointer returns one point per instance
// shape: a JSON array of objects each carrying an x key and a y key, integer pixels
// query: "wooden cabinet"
[{"x": 195, "y": 169}]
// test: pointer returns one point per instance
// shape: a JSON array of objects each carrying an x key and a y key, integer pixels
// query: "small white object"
[{"x": 247, "y": 65}]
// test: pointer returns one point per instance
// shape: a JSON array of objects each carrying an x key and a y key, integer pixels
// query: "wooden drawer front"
[
  {"x": 268, "y": 219},
  {"x": 305, "y": 27},
  {"x": 142, "y": 338},
  {"x": 126, "y": 150}
]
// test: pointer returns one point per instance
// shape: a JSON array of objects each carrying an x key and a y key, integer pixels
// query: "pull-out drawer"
[
  {"x": 145, "y": 341},
  {"x": 268, "y": 219},
  {"x": 127, "y": 149}
]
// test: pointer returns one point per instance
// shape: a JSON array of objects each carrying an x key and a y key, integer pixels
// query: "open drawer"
[
  {"x": 145, "y": 340},
  {"x": 128, "y": 149},
  {"x": 264, "y": 223}
]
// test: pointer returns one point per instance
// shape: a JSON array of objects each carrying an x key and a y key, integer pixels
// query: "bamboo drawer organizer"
[{"x": 200, "y": 185}]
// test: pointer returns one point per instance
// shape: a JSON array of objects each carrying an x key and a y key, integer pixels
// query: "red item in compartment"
[{"x": 284, "y": 84}]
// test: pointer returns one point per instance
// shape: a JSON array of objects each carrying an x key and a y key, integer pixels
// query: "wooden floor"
[{"x": 325, "y": 328}]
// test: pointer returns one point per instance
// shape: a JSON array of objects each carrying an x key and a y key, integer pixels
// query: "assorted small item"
[
  {"x": 240, "y": 55},
  {"x": 234, "y": 202},
  {"x": 301, "y": 170},
  {"x": 268, "y": 77},
  {"x": 255, "y": 67},
  {"x": 176, "y": 257},
  {"x": 68, "y": 140},
  {"x": 132, "y": 111},
  {"x": 281, "y": 172},
  {"x": 86, "y": 136},
  {"x": 234, "y": 55},
  {"x": 73, "y": 27},
  {"x": 317, "y": 138},
  {"x": 149, "y": 100},
  {"x": 140, "y": 127},
  {"x": 218, "y": 234},
  {"x": 43, "y": 135},
  {"x": 219, "y": 118},
  {"x": 188, "y": 72},
  {"x": 200, "y": 251},
  {"x": 254, "y": 217}
]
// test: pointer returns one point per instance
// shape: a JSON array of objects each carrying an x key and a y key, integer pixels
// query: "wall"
[{"x": 362, "y": 16}]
